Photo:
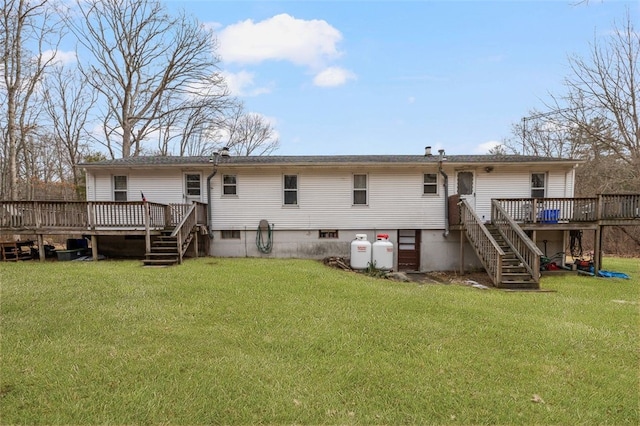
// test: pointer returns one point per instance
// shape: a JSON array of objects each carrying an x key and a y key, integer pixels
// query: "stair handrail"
[
  {"x": 188, "y": 222},
  {"x": 485, "y": 245},
  {"x": 523, "y": 247}
]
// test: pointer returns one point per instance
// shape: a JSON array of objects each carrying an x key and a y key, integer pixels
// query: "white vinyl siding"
[
  {"x": 394, "y": 196},
  {"x": 164, "y": 186}
]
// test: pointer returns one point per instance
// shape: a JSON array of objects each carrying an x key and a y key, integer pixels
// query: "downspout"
[
  {"x": 446, "y": 194},
  {"x": 214, "y": 160}
]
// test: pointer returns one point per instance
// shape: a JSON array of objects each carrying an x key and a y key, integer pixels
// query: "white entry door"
[{"x": 466, "y": 188}]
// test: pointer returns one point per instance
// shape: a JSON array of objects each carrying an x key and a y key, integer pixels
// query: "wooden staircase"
[
  {"x": 169, "y": 248},
  {"x": 514, "y": 275},
  {"x": 510, "y": 258},
  {"x": 164, "y": 251}
]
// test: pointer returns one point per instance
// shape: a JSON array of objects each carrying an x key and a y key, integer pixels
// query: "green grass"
[{"x": 249, "y": 341}]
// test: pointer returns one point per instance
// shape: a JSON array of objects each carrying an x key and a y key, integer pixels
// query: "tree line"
[
  {"x": 596, "y": 119},
  {"x": 140, "y": 82}
]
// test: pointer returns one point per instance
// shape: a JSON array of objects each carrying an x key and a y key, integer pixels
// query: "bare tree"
[
  {"x": 25, "y": 25},
  {"x": 597, "y": 120},
  {"x": 605, "y": 89},
  {"x": 68, "y": 102},
  {"x": 145, "y": 63},
  {"x": 184, "y": 131},
  {"x": 248, "y": 133}
]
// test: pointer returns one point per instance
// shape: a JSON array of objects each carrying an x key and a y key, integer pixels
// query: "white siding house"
[{"x": 316, "y": 204}]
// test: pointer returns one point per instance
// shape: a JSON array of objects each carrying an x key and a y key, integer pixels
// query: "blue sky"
[{"x": 391, "y": 77}]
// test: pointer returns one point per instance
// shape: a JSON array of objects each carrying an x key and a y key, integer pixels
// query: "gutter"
[
  {"x": 209, "y": 204},
  {"x": 446, "y": 194}
]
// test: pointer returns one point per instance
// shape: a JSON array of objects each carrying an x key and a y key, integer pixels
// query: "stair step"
[
  {"x": 164, "y": 244},
  {"x": 160, "y": 261},
  {"x": 163, "y": 248},
  {"x": 524, "y": 285},
  {"x": 153, "y": 254},
  {"x": 511, "y": 275}
]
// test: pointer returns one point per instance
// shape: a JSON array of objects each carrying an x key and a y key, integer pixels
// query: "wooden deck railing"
[
  {"x": 488, "y": 250},
  {"x": 566, "y": 210},
  {"x": 81, "y": 215},
  {"x": 91, "y": 215},
  {"x": 619, "y": 206},
  {"x": 528, "y": 253},
  {"x": 182, "y": 231}
]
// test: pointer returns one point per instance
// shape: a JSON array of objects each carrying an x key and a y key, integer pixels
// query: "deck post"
[
  {"x": 462, "y": 239},
  {"x": 597, "y": 249},
  {"x": 147, "y": 231},
  {"x": 41, "y": 252},
  {"x": 94, "y": 247},
  {"x": 599, "y": 208},
  {"x": 91, "y": 215},
  {"x": 195, "y": 242}
]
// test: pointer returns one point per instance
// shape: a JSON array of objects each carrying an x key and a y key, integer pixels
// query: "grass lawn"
[{"x": 247, "y": 341}]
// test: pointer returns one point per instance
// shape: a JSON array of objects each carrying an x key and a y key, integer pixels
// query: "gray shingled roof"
[{"x": 322, "y": 159}]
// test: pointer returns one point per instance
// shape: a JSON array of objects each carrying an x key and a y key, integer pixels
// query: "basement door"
[{"x": 409, "y": 250}]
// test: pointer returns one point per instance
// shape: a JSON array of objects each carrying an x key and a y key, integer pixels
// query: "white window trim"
[
  {"x": 297, "y": 190},
  {"x": 546, "y": 184},
  {"x": 436, "y": 184},
  {"x": 113, "y": 187},
  {"x": 353, "y": 189},
  {"x": 222, "y": 185},
  {"x": 186, "y": 189}
]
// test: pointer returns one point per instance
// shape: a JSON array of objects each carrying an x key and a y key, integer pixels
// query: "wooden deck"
[
  {"x": 511, "y": 217},
  {"x": 574, "y": 213},
  {"x": 94, "y": 218}
]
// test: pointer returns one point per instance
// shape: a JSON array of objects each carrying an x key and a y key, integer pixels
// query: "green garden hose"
[{"x": 264, "y": 245}]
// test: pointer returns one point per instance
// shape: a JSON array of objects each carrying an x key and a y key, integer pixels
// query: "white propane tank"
[
  {"x": 383, "y": 253},
  {"x": 360, "y": 252}
]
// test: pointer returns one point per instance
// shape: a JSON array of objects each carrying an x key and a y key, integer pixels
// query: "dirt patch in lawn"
[{"x": 451, "y": 277}]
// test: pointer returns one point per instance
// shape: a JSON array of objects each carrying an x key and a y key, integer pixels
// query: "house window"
[
  {"x": 120, "y": 188},
  {"x": 538, "y": 188},
  {"x": 229, "y": 185},
  {"x": 291, "y": 190},
  {"x": 333, "y": 233},
  {"x": 230, "y": 234},
  {"x": 430, "y": 183},
  {"x": 360, "y": 189},
  {"x": 192, "y": 183}
]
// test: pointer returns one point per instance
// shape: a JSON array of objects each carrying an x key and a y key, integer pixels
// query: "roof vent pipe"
[
  {"x": 427, "y": 151},
  {"x": 224, "y": 152},
  {"x": 441, "y": 152}
]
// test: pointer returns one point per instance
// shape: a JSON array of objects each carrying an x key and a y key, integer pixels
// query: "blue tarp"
[{"x": 609, "y": 274}]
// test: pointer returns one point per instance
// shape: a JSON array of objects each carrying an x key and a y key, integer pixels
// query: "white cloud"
[
  {"x": 308, "y": 43},
  {"x": 484, "y": 148},
  {"x": 242, "y": 84},
  {"x": 333, "y": 76},
  {"x": 61, "y": 57}
]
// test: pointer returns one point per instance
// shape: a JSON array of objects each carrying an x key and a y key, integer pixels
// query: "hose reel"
[{"x": 264, "y": 237}]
